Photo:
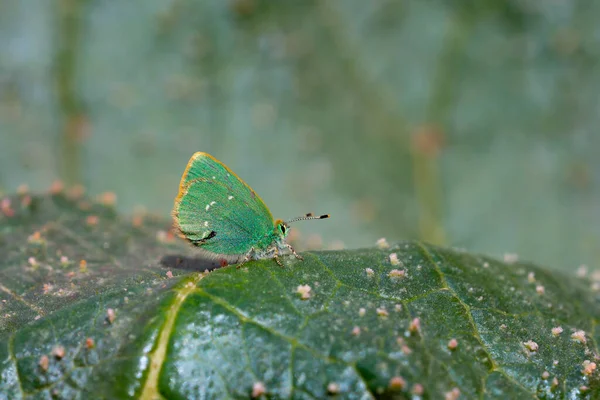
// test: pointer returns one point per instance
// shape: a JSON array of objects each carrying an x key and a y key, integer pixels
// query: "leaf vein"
[{"x": 292, "y": 340}]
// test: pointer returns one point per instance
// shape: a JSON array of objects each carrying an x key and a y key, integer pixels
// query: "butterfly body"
[{"x": 220, "y": 214}]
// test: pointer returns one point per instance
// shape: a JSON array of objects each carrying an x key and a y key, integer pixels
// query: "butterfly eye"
[{"x": 282, "y": 227}]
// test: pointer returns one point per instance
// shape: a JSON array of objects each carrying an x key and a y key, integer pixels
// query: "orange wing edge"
[{"x": 183, "y": 188}]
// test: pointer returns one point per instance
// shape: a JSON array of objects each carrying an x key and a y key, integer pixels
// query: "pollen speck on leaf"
[
  {"x": 417, "y": 389},
  {"x": 397, "y": 273},
  {"x": 258, "y": 389},
  {"x": 44, "y": 363},
  {"x": 557, "y": 331},
  {"x": 58, "y": 352},
  {"x": 108, "y": 198},
  {"x": 588, "y": 367},
  {"x": 35, "y": 237},
  {"x": 531, "y": 346},
  {"x": 5, "y": 208},
  {"x": 383, "y": 244},
  {"x": 453, "y": 344},
  {"x": 545, "y": 375},
  {"x": 137, "y": 221},
  {"x": 397, "y": 383},
  {"x": 304, "y": 291},
  {"x": 415, "y": 325},
  {"x": 56, "y": 187},
  {"x": 540, "y": 289},
  {"x": 110, "y": 315},
  {"x": 454, "y": 394},
  {"x": 333, "y": 388},
  {"x": 579, "y": 336},
  {"x": 382, "y": 312}
]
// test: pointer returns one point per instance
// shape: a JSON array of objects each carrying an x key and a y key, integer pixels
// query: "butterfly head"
[{"x": 282, "y": 228}]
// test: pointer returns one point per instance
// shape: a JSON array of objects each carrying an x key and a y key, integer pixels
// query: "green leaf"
[{"x": 360, "y": 333}]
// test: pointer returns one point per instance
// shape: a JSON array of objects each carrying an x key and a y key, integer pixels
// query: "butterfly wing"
[{"x": 218, "y": 211}]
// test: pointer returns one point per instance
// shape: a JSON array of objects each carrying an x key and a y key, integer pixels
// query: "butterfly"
[{"x": 220, "y": 214}]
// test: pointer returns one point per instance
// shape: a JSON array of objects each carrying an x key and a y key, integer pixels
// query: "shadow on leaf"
[{"x": 175, "y": 261}]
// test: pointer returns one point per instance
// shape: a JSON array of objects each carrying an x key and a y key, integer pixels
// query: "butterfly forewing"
[{"x": 217, "y": 211}]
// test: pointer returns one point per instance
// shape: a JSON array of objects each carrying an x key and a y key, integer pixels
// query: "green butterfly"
[{"x": 220, "y": 214}]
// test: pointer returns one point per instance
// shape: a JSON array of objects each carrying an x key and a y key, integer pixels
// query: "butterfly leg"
[
  {"x": 298, "y": 256},
  {"x": 276, "y": 257},
  {"x": 247, "y": 258}
]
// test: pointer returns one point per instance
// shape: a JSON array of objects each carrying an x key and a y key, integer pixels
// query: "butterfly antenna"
[{"x": 307, "y": 216}]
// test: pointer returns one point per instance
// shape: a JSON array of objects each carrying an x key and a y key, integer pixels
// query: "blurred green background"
[{"x": 470, "y": 123}]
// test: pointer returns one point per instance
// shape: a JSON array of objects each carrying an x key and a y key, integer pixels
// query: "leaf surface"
[{"x": 363, "y": 331}]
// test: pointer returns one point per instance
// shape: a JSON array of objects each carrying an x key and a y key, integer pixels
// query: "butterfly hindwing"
[{"x": 217, "y": 211}]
